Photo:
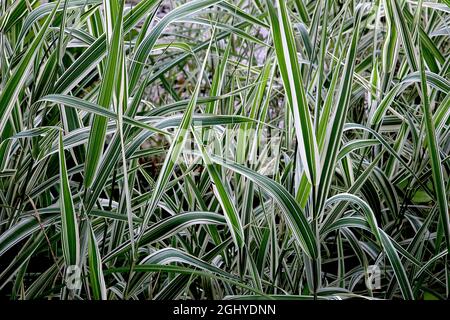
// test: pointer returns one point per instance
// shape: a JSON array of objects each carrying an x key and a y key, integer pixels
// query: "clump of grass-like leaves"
[{"x": 211, "y": 149}]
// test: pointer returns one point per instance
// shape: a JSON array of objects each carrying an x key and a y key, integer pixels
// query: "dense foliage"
[{"x": 210, "y": 149}]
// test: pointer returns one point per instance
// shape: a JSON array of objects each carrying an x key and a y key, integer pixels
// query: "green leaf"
[
  {"x": 95, "y": 268},
  {"x": 69, "y": 231},
  {"x": 286, "y": 52}
]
